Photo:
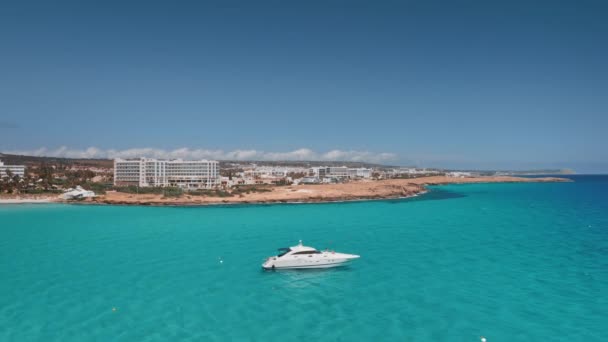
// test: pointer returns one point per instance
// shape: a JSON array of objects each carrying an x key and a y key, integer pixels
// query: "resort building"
[
  {"x": 188, "y": 174},
  {"x": 339, "y": 172},
  {"x": 360, "y": 172},
  {"x": 15, "y": 170},
  {"x": 309, "y": 180},
  {"x": 458, "y": 174},
  {"x": 318, "y": 171},
  {"x": 411, "y": 172},
  {"x": 271, "y": 171}
]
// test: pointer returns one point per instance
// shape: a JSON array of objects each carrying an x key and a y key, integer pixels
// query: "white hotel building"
[
  {"x": 188, "y": 174},
  {"x": 340, "y": 172},
  {"x": 16, "y": 170}
]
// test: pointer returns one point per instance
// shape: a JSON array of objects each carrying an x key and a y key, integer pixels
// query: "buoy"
[
  {"x": 483, "y": 339},
  {"x": 114, "y": 309}
]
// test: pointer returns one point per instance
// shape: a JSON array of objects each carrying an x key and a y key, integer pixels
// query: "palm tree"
[
  {"x": 27, "y": 179},
  {"x": 45, "y": 172},
  {"x": 7, "y": 181},
  {"x": 16, "y": 183}
]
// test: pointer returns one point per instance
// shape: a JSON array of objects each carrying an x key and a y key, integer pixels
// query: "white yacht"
[{"x": 301, "y": 257}]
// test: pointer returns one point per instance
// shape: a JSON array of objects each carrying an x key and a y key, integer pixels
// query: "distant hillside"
[
  {"x": 109, "y": 163},
  {"x": 228, "y": 164},
  {"x": 13, "y": 159}
]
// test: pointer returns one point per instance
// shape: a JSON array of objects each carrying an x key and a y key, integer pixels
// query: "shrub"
[
  {"x": 210, "y": 193},
  {"x": 172, "y": 192},
  {"x": 167, "y": 192},
  {"x": 241, "y": 189}
]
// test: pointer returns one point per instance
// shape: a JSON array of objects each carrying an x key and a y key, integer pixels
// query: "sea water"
[{"x": 510, "y": 262}]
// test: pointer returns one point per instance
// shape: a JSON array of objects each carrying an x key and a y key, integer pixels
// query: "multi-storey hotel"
[
  {"x": 340, "y": 172},
  {"x": 190, "y": 174},
  {"x": 15, "y": 170}
]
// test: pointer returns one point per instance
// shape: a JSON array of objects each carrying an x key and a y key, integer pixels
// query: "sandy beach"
[
  {"x": 360, "y": 190},
  {"x": 26, "y": 200}
]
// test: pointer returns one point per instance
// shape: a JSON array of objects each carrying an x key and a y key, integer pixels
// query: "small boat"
[{"x": 303, "y": 257}]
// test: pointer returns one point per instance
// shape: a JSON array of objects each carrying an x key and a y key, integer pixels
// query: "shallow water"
[{"x": 511, "y": 262}]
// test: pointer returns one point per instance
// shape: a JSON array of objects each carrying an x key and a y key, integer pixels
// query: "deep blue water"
[{"x": 511, "y": 262}]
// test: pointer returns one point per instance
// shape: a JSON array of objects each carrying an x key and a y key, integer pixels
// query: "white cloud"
[{"x": 187, "y": 153}]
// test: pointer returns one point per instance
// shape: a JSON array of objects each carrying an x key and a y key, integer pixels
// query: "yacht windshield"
[
  {"x": 308, "y": 252},
  {"x": 283, "y": 251}
]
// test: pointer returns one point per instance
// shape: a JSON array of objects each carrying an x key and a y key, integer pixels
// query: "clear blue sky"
[{"x": 461, "y": 84}]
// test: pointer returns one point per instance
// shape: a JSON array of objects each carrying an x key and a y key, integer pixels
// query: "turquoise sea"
[{"x": 511, "y": 262}]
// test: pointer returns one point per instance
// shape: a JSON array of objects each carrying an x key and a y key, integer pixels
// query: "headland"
[{"x": 316, "y": 193}]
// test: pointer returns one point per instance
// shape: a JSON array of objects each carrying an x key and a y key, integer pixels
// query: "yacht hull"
[
  {"x": 303, "y": 267},
  {"x": 272, "y": 264}
]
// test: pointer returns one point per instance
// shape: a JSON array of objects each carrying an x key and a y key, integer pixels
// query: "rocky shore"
[{"x": 352, "y": 191}]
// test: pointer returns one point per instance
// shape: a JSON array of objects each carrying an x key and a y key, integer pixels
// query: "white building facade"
[
  {"x": 360, "y": 172},
  {"x": 188, "y": 174},
  {"x": 318, "y": 171},
  {"x": 339, "y": 172},
  {"x": 15, "y": 170},
  {"x": 274, "y": 171}
]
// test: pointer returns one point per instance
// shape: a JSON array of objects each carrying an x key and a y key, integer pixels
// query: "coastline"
[
  {"x": 363, "y": 190},
  {"x": 321, "y": 193},
  {"x": 26, "y": 200}
]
